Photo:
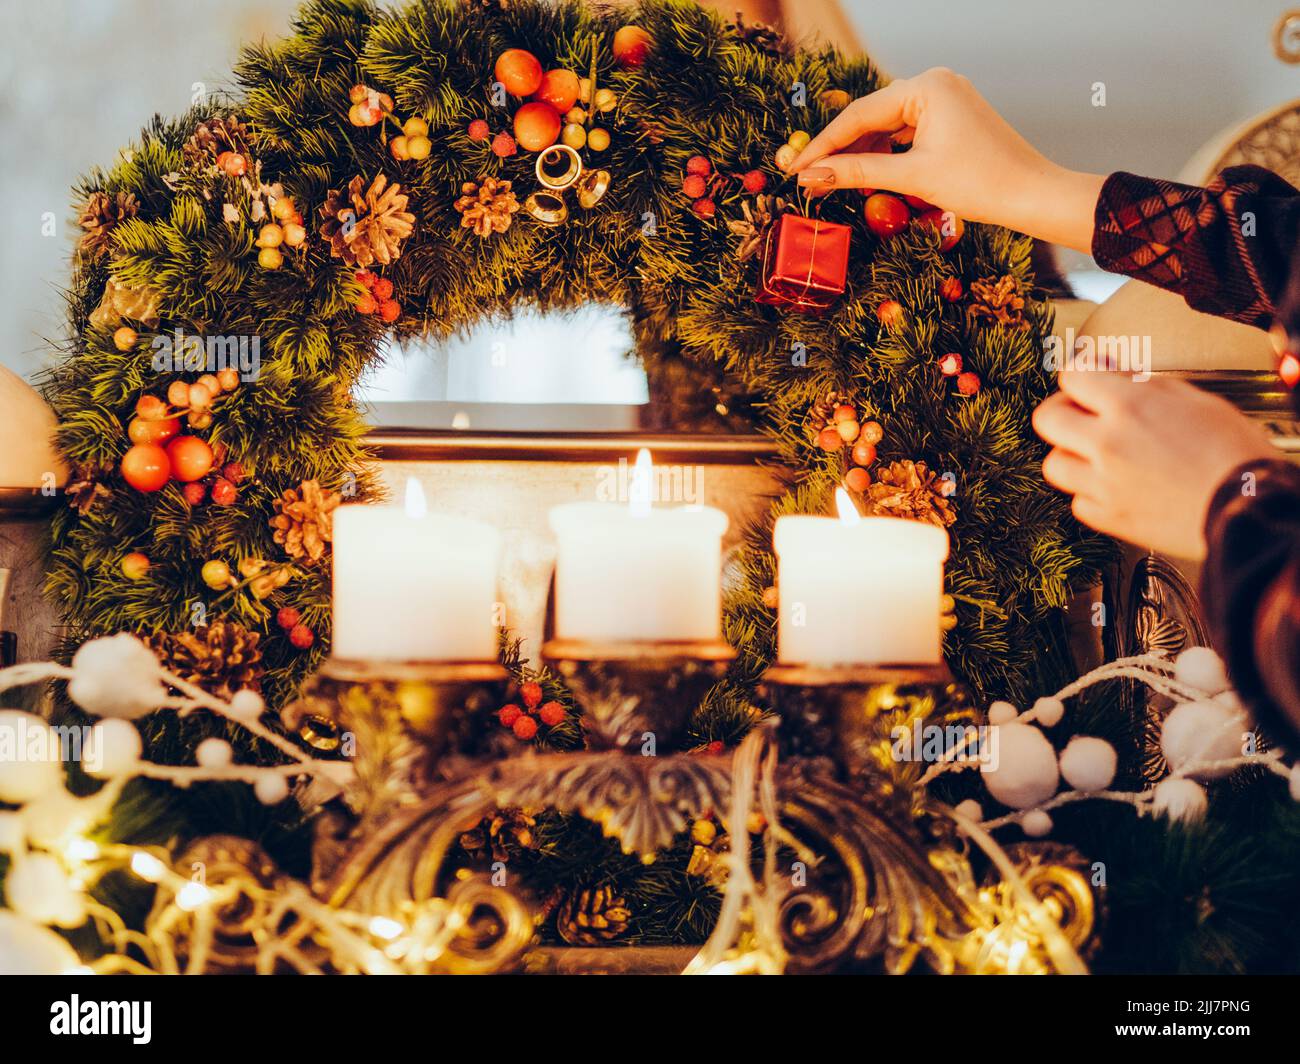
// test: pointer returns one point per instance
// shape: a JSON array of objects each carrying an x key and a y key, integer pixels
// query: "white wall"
[{"x": 1175, "y": 71}]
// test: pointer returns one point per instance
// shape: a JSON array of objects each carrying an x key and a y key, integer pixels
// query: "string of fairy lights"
[{"x": 55, "y": 860}]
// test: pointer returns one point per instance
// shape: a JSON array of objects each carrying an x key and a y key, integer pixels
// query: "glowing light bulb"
[
  {"x": 383, "y": 927},
  {"x": 80, "y": 849},
  {"x": 848, "y": 512},
  {"x": 416, "y": 506},
  {"x": 640, "y": 490},
  {"x": 148, "y": 867},
  {"x": 191, "y": 896}
]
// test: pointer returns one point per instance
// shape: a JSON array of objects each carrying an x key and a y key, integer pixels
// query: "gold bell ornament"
[{"x": 559, "y": 168}]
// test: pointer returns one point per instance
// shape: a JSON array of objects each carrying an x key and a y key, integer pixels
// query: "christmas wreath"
[
  {"x": 377, "y": 175},
  {"x": 388, "y": 173}
]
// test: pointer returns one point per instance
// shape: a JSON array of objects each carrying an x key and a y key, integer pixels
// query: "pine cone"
[
  {"x": 759, "y": 35},
  {"x": 369, "y": 228},
  {"x": 753, "y": 227},
  {"x": 908, "y": 489},
  {"x": 997, "y": 299},
  {"x": 487, "y": 206},
  {"x": 98, "y": 217},
  {"x": 212, "y": 136},
  {"x": 593, "y": 917},
  {"x": 304, "y": 521},
  {"x": 822, "y": 413},
  {"x": 84, "y": 489},
  {"x": 493, "y": 833},
  {"x": 222, "y": 657}
]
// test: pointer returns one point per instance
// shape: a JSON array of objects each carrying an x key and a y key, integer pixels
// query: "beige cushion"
[{"x": 26, "y": 435}]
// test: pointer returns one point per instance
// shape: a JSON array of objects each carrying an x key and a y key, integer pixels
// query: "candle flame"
[
  {"x": 416, "y": 507},
  {"x": 848, "y": 512},
  {"x": 639, "y": 491}
]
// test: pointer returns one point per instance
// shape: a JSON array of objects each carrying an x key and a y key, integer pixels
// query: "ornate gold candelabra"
[{"x": 872, "y": 872}]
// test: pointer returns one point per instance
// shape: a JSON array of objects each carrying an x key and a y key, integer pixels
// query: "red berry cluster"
[
  {"x": 378, "y": 297},
  {"x": 524, "y": 721},
  {"x": 844, "y": 429},
  {"x": 222, "y": 486},
  {"x": 890, "y": 313},
  {"x": 887, "y": 215},
  {"x": 290, "y": 620},
  {"x": 702, "y": 184},
  {"x": 950, "y": 365},
  {"x": 503, "y": 144}
]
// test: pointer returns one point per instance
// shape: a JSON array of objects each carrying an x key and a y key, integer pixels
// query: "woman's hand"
[
  {"x": 964, "y": 157},
  {"x": 1144, "y": 458}
]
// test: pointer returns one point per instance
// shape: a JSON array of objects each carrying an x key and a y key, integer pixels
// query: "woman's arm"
[
  {"x": 1226, "y": 248},
  {"x": 963, "y": 157}
]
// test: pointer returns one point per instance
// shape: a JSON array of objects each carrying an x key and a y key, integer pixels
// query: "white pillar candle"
[
  {"x": 859, "y": 590},
  {"x": 413, "y": 586},
  {"x": 635, "y": 573}
]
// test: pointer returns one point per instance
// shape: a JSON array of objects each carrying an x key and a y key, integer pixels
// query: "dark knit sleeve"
[
  {"x": 1250, "y": 590},
  {"x": 1226, "y": 249}
]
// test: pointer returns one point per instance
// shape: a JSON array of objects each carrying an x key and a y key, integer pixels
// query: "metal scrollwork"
[
  {"x": 644, "y": 802},
  {"x": 1161, "y": 615},
  {"x": 875, "y": 895},
  {"x": 878, "y": 877}
]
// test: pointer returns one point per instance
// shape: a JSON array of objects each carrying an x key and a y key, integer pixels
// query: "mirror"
[{"x": 545, "y": 371}]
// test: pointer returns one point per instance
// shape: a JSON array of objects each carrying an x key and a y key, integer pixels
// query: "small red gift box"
[{"x": 805, "y": 264}]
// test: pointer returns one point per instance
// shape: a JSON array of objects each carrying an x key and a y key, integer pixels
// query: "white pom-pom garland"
[
  {"x": 1002, "y": 713},
  {"x": 971, "y": 810},
  {"x": 54, "y": 818},
  {"x": 29, "y": 949},
  {"x": 30, "y": 757},
  {"x": 246, "y": 704},
  {"x": 213, "y": 753},
  {"x": 11, "y": 832},
  {"x": 1089, "y": 763},
  {"x": 1202, "y": 731},
  {"x": 118, "y": 748},
  {"x": 1293, "y": 782},
  {"x": 116, "y": 676},
  {"x": 1179, "y": 799},
  {"x": 1036, "y": 823},
  {"x": 37, "y": 888},
  {"x": 1202, "y": 668},
  {"x": 1021, "y": 771},
  {"x": 271, "y": 788},
  {"x": 1049, "y": 711},
  {"x": 1230, "y": 699}
]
